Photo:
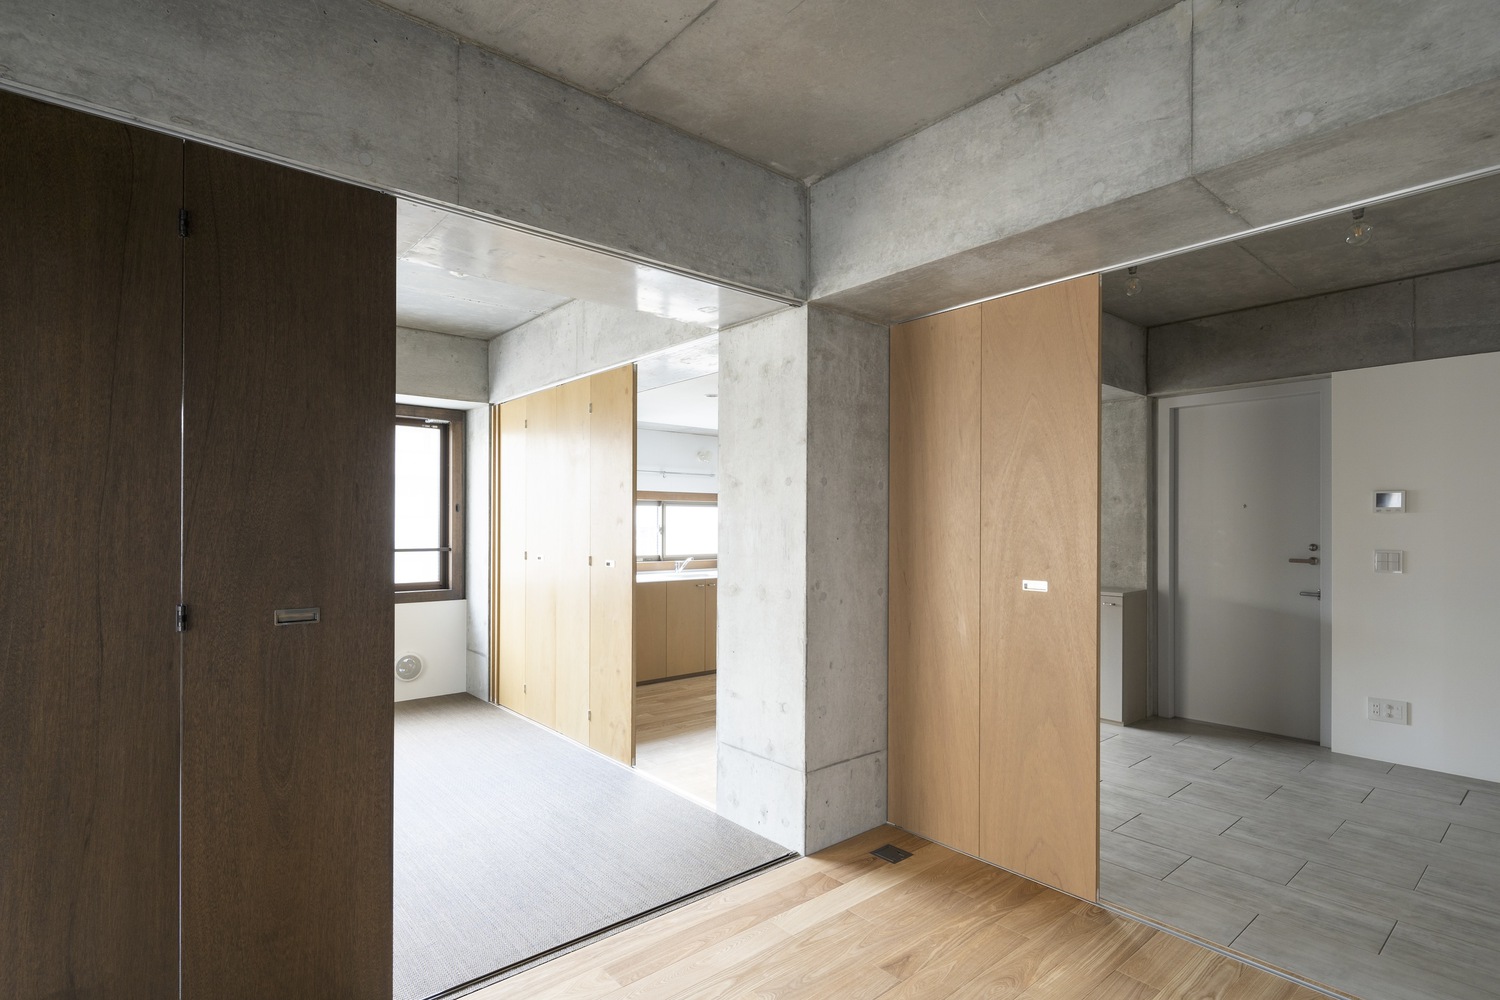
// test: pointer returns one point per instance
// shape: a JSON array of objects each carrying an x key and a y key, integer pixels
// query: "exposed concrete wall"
[
  {"x": 803, "y": 473},
  {"x": 477, "y": 551},
  {"x": 358, "y": 92},
  {"x": 442, "y": 366},
  {"x": 848, "y": 458},
  {"x": 1126, "y": 513},
  {"x": 1209, "y": 117},
  {"x": 763, "y": 573},
  {"x": 1122, "y": 350},
  {"x": 1439, "y": 315},
  {"x": 578, "y": 339}
]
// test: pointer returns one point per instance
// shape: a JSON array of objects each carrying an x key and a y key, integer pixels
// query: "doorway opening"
[{"x": 522, "y": 828}]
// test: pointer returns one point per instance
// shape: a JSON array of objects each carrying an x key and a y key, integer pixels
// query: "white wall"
[
  {"x": 434, "y": 630},
  {"x": 676, "y": 461},
  {"x": 1430, "y": 636}
]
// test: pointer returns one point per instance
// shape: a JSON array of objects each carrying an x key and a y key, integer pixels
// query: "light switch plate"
[{"x": 1390, "y": 561}]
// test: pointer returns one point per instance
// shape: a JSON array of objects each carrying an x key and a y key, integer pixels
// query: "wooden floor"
[
  {"x": 674, "y": 734},
  {"x": 1378, "y": 880},
  {"x": 842, "y": 924}
]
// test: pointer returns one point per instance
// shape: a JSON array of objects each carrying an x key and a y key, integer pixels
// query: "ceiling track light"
[
  {"x": 1132, "y": 283},
  {"x": 1359, "y": 233}
]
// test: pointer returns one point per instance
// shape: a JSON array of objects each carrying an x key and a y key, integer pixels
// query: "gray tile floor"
[{"x": 1379, "y": 880}]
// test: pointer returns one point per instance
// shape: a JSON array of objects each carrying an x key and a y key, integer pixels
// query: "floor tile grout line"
[
  {"x": 1381, "y": 949},
  {"x": 1244, "y": 929}
]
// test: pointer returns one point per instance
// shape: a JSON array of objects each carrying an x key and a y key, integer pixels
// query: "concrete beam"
[
  {"x": 1209, "y": 118},
  {"x": 1433, "y": 316},
  {"x": 1122, "y": 350},
  {"x": 578, "y": 339},
  {"x": 357, "y": 92},
  {"x": 442, "y": 366}
]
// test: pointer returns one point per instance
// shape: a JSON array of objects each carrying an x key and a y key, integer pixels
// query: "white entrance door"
[{"x": 1247, "y": 552}]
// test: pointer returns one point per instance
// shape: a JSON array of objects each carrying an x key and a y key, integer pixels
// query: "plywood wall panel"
[
  {"x": 509, "y": 594},
  {"x": 934, "y": 578},
  {"x": 1039, "y": 671},
  {"x": 570, "y": 531},
  {"x": 611, "y": 492}
]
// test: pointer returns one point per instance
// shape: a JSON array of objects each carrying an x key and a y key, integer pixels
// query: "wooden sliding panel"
[
  {"x": 612, "y": 563},
  {"x": 508, "y": 644},
  {"x": 571, "y": 531},
  {"x": 289, "y": 326},
  {"x": 90, "y": 390},
  {"x": 542, "y": 556},
  {"x": 934, "y": 578},
  {"x": 1039, "y": 690}
]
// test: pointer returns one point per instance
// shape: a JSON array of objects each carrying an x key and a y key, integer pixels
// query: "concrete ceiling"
[
  {"x": 690, "y": 405},
  {"x": 1449, "y": 228},
  {"x": 460, "y": 275},
  {"x": 804, "y": 87}
]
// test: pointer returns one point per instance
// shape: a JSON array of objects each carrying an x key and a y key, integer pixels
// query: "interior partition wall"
[
  {"x": 197, "y": 380},
  {"x": 994, "y": 581}
]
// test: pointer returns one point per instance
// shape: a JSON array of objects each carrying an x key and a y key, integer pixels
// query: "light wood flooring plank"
[{"x": 675, "y": 735}]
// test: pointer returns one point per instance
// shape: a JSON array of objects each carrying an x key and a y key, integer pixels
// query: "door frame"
[{"x": 1167, "y": 407}]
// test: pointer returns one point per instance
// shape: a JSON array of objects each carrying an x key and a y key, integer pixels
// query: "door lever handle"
[{"x": 1310, "y": 561}]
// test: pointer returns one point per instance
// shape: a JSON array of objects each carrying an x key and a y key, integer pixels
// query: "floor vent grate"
[{"x": 891, "y": 853}]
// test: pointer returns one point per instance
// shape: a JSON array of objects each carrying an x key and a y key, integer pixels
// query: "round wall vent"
[{"x": 409, "y": 667}]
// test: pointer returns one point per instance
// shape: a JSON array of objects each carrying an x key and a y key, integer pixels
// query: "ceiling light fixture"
[
  {"x": 1360, "y": 231},
  {"x": 1133, "y": 283}
]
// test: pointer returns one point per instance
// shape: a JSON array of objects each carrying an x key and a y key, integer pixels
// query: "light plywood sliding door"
[
  {"x": 612, "y": 563},
  {"x": 570, "y": 544},
  {"x": 934, "y": 578},
  {"x": 1039, "y": 673},
  {"x": 508, "y": 622},
  {"x": 543, "y": 463}
]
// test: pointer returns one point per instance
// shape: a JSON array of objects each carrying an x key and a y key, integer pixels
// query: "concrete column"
[{"x": 802, "y": 568}]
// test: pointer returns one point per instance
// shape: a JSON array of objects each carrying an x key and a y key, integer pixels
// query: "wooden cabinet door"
[
  {"x": 685, "y": 621},
  {"x": 650, "y": 631},
  {"x": 508, "y": 622},
  {"x": 90, "y": 392},
  {"x": 289, "y": 327},
  {"x": 711, "y": 627},
  {"x": 1039, "y": 669},
  {"x": 934, "y": 578}
]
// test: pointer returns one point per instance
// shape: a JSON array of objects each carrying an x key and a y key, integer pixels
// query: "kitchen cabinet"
[{"x": 676, "y": 627}]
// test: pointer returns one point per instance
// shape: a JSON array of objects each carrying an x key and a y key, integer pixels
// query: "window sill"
[{"x": 418, "y": 596}]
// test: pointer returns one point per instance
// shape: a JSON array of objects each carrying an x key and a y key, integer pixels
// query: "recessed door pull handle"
[
  {"x": 1310, "y": 593},
  {"x": 298, "y": 616},
  {"x": 1310, "y": 561}
]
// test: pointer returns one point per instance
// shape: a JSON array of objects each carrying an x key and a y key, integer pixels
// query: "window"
[
  {"x": 676, "y": 529},
  {"x": 429, "y": 509}
]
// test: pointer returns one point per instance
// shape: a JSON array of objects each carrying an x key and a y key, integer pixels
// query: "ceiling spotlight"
[
  {"x": 1360, "y": 232},
  {"x": 1133, "y": 283},
  {"x": 708, "y": 310}
]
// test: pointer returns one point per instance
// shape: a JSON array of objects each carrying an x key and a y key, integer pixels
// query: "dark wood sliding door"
[
  {"x": 290, "y": 373},
  {"x": 90, "y": 387}
]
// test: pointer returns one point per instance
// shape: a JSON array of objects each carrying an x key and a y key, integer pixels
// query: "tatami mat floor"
[{"x": 1376, "y": 879}]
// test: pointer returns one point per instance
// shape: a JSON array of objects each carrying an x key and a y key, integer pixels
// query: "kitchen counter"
[{"x": 667, "y": 575}]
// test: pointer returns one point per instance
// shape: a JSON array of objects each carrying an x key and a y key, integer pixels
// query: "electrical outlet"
[{"x": 1384, "y": 710}]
